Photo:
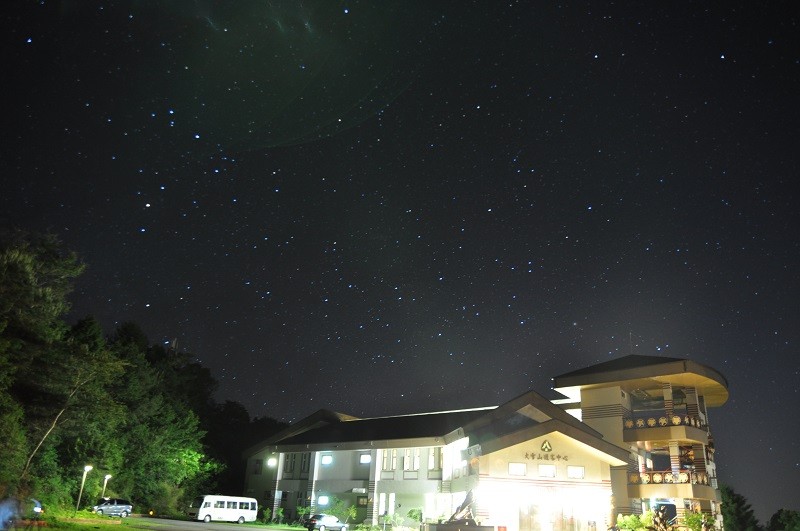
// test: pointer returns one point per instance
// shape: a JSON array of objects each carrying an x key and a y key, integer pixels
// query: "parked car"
[
  {"x": 325, "y": 522},
  {"x": 113, "y": 507}
]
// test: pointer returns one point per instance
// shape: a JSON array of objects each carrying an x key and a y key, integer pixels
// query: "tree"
[
  {"x": 160, "y": 436},
  {"x": 75, "y": 371},
  {"x": 341, "y": 510},
  {"x": 415, "y": 514},
  {"x": 35, "y": 278},
  {"x": 737, "y": 515},
  {"x": 635, "y": 521},
  {"x": 69, "y": 397},
  {"x": 784, "y": 520}
]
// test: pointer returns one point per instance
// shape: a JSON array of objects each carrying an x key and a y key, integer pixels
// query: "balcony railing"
[
  {"x": 662, "y": 421},
  {"x": 667, "y": 476}
]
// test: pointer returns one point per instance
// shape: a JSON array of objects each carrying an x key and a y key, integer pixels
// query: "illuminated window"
[
  {"x": 365, "y": 459},
  {"x": 411, "y": 459},
  {"x": 517, "y": 469},
  {"x": 326, "y": 459},
  {"x": 547, "y": 471},
  {"x": 323, "y": 500},
  {"x": 575, "y": 472},
  {"x": 389, "y": 460},
  {"x": 435, "y": 458}
]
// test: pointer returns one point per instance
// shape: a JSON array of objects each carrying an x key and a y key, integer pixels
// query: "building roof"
[
  {"x": 531, "y": 415},
  {"x": 327, "y": 430},
  {"x": 646, "y": 373},
  {"x": 493, "y": 428}
]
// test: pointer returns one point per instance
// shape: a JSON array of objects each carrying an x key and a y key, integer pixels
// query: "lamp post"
[
  {"x": 86, "y": 470},
  {"x": 105, "y": 482}
]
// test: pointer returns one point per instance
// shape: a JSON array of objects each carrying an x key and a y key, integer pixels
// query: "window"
[
  {"x": 231, "y": 505},
  {"x": 382, "y": 503},
  {"x": 389, "y": 460},
  {"x": 547, "y": 471},
  {"x": 365, "y": 459},
  {"x": 326, "y": 459},
  {"x": 435, "y": 458},
  {"x": 361, "y": 501},
  {"x": 305, "y": 460},
  {"x": 257, "y": 466},
  {"x": 219, "y": 504},
  {"x": 517, "y": 469},
  {"x": 288, "y": 465},
  {"x": 244, "y": 505},
  {"x": 411, "y": 459},
  {"x": 575, "y": 472}
]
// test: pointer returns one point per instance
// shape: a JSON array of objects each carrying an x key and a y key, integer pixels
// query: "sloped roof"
[
  {"x": 531, "y": 406},
  {"x": 324, "y": 430},
  {"x": 526, "y": 416},
  {"x": 530, "y": 415}
]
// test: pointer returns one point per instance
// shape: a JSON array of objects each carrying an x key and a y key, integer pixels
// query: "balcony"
[
  {"x": 663, "y": 427},
  {"x": 667, "y": 476},
  {"x": 662, "y": 420},
  {"x": 666, "y": 484}
]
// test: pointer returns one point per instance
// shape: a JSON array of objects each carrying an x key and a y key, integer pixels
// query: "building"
[{"x": 631, "y": 434}]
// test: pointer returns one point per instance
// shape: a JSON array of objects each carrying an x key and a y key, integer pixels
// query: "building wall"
[
  {"x": 260, "y": 478},
  {"x": 603, "y": 409},
  {"x": 515, "y": 489}
]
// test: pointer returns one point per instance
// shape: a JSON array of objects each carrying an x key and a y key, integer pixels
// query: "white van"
[{"x": 221, "y": 508}]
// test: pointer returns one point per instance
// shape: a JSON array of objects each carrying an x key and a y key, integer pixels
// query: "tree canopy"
[{"x": 70, "y": 396}]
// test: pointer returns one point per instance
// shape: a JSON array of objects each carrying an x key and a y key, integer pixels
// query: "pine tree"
[
  {"x": 737, "y": 515},
  {"x": 36, "y": 276}
]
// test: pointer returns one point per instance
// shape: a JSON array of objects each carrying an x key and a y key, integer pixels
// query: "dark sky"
[{"x": 393, "y": 207}]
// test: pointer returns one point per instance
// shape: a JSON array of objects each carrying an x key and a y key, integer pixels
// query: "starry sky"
[{"x": 392, "y": 207}]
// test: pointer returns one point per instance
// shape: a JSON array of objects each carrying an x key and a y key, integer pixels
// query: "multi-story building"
[{"x": 632, "y": 434}]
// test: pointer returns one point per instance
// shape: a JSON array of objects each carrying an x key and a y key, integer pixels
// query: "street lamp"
[
  {"x": 105, "y": 482},
  {"x": 86, "y": 470}
]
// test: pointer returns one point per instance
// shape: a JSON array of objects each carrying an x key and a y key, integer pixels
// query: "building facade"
[{"x": 632, "y": 434}]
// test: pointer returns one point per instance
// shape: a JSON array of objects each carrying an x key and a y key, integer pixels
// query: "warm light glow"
[
  {"x": 547, "y": 471},
  {"x": 575, "y": 472},
  {"x": 517, "y": 469},
  {"x": 87, "y": 468},
  {"x": 327, "y": 459},
  {"x": 272, "y": 462},
  {"x": 323, "y": 500},
  {"x": 108, "y": 476}
]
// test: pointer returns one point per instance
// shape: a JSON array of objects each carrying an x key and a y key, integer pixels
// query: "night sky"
[{"x": 392, "y": 207}]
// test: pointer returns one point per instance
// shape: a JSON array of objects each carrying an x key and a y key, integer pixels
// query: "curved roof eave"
[{"x": 648, "y": 372}]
